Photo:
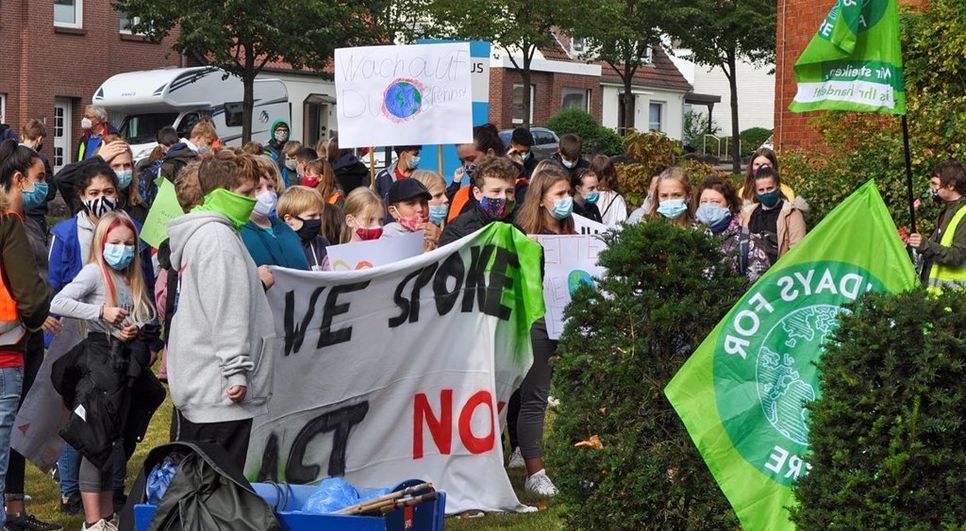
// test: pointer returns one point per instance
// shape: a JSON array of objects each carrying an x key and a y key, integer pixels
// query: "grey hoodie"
[{"x": 221, "y": 321}]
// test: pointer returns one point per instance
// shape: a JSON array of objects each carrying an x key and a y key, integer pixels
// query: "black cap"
[
  {"x": 406, "y": 189},
  {"x": 522, "y": 137}
]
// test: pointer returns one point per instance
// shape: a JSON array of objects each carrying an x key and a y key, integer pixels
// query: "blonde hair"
[
  {"x": 677, "y": 174},
  {"x": 205, "y": 129},
  {"x": 360, "y": 200},
  {"x": 142, "y": 312},
  {"x": 268, "y": 169},
  {"x": 298, "y": 199},
  {"x": 429, "y": 178},
  {"x": 133, "y": 190}
]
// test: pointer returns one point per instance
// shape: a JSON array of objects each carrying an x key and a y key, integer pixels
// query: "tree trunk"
[
  {"x": 627, "y": 121},
  {"x": 525, "y": 78},
  {"x": 248, "y": 98},
  {"x": 735, "y": 130}
]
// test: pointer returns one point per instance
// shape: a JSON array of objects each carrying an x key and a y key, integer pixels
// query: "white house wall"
[
  {"x": 299, "y": 88},
  {"x": 673, "y": 105},
  {"x": 756, "y": 92}
]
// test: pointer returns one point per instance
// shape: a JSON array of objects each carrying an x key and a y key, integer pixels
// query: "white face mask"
[
  {"x": 86, "y": 123},
  {"x": 266, "y": 202}
]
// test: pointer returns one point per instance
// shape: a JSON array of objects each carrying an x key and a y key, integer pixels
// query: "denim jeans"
[
  {"x": 68, "y": 467},
  {"x": 11, "y": 380}
]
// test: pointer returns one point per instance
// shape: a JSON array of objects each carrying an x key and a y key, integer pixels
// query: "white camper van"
[{"x": 141, "y": 103}]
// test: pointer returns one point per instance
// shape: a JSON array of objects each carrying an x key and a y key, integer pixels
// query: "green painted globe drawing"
[
  {"x": 784, "y": 383},
  {"x": 403, "y": 99}
]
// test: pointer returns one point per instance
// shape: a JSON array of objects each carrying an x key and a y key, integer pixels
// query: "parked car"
[{"x": 545, "y": 141}]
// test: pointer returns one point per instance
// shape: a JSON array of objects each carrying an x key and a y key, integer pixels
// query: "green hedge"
[
  {"x": 888, "y": 433},
  {"x": 664, "y": 290},
  {"x": 596, "y": 138}
]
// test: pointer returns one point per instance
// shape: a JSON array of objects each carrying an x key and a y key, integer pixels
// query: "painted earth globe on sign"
[
  {"x": 784, "y": 384},
  {"x": 403, "y": 99}
]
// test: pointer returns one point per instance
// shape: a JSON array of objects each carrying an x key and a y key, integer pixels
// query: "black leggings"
[
  {"x": 534, "y": 392},
  {"x": 32, "y": 361}
]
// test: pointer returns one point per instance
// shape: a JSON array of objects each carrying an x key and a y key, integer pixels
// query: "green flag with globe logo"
[
  {"x": 741, "y": 393},
  {"x": 854, "y": 61}
]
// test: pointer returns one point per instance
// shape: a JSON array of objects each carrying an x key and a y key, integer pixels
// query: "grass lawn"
[{"x": 46, "y": 494}]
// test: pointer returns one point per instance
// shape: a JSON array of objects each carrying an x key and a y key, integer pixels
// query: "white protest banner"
[
  {"x": 569, "y": 261},
  {"x": 404, "y": 95},
  {"x": 402, "y": 371},
  {"x": 375, "y": 253},
  {"x": 42, "y": 415},
  {"x": 588, "y": 226}
]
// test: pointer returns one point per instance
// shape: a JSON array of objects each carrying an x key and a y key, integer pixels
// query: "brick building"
[
  {"x": 55, "y": 57},
  {"x": 798, "y": 20}
]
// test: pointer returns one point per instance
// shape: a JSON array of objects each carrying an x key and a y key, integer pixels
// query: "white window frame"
[
  {"x": 120, "y": 19},
  {"x": 586, "y": 93},
  {"x": 3, "y": 108},
  {"x": 533, "y": 96},
  {"x": 78, "y": 17},
  {"x": 663, "y": 107}
]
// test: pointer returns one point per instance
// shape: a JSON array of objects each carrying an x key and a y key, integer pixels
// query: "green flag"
[
  {"x": 741, "y": 394},
  {"x": 854, "y": 62}
]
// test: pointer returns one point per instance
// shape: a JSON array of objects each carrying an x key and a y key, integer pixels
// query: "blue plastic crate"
[{"x": 428, "y": 516}]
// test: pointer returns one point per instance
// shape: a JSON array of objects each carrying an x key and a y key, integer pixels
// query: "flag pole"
[{"x": 912, "y": 205}]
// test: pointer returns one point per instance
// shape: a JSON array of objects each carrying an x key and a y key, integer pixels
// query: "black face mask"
[{"x": 310, "y": 229}]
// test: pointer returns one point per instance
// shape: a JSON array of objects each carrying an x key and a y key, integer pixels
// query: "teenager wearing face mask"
[
  {"x": 438, "y": 203},
  {"x": 765, "y": 158},
  {"x": 301, "y": 208},
  {"x": 672, "y": 192},
  {"x": 408, "y": 204},
  {"x": 547, "y": 209},
  {"x": 32, "y": 135},
  {"x": 121, "y": 160},
  {"x": 407, "y": 162},
  {"x": 570, "y": 154},
  {"x": 586, "y": 194},
  {"x": 319, "y": 176},
  {"x": 24, "y": 305},
  {"x": 203, "y": 138},
  {"x": 719, "y": 212},
  {"x": 364, "y": 216},
  {"x": 288, "y": 162},
  {"x": 944, "y": 253},
  {"x": 112, "y": 366},
  {"x": 486, "y": 143},
  {"x": 494, "y": 191},
  {"x": 280, "y": 135},
  {"x": 613, "y": 209},
  {"x": 268, "y": 239},
  {"x": 778, "y": 223}
]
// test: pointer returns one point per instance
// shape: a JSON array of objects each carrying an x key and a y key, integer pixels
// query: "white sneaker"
[
  {"x": 516, "y": 459},
  {"x": 101, "y": 525},
  {"x": 540, "y": 484},
  {"x": 553, "y": 402}
]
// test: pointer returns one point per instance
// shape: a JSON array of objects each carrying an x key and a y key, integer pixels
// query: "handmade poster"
[
  {"x": 588, "y": 226},
  {"x": 375, "y": 253},
  {"x": 164, "y": 209},
  {"x": 404, "y": 95},
  {"x": 403, "y": 371},
  {"x": 569, "y": 262}
]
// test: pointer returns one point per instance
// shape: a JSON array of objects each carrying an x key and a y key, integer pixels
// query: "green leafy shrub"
[
  {"x": 887, "y": 434},
  {"x": 596, "y": 139},
  {"x": 696, "y": 125},
  {"x": 862, "y": 146},
  {"x": 664, "y": 290},
  {"x": 651, "y": 153},
  {"x": 752, "y": 139}
]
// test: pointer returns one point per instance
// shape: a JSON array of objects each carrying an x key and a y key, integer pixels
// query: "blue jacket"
[
  {"x": 283, "y": 249},
  {"x": 66, "y": 260}
]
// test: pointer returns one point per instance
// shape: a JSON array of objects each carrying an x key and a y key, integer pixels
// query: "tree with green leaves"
[
  {"x": 515, "y": 25},
  {"x": 620, "y": 33},
  {"x": 722, "y": 33},
  {"x": 243, "y": 36}
]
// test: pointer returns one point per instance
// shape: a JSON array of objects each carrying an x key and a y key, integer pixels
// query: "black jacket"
[
  {"x": 110, "y": 391},
  {"x": 587, "y": 210},
  {"x": 471, "y": 220},
  {"x": 351, "y": 174},
  {"x": 66, "y": 180},
  {"x": 176, "y": 159}
]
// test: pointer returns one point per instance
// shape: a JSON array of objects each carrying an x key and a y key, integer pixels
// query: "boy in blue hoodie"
[{"x": 218, "y": 374}]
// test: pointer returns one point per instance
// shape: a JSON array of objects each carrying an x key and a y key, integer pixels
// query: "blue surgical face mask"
[
  {"x": 770, "y": 199},
  {"x": 35, "y": 197},
  {"x": 118, "y": 256},
  {"x": 716, "y": 217},
  {"x": 413, "y": 162},
  {"x": 567, "y": 164},
  {"x": 124, "y": 178},
  {"x": 672, "y": 208},
  {"x": 562, "y": 208},
  {"x": 437, "y": 213},
  {"x": 592, "y": 197}
]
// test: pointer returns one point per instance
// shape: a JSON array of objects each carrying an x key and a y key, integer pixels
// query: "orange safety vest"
[
  {"x": 459, "y": 201},
  {"x": 11, "y": 329}
]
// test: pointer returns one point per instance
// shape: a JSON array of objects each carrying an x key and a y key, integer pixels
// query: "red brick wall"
[
  {"x": 798, "y": 21},
  {"x": 547, "y": 97},
  {"x": 41, "y": 62}
]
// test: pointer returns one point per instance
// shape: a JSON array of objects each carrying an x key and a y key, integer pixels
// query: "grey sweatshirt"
[
  {"x": 221, "y": 320},
  {"x": 84, "y": 296}
]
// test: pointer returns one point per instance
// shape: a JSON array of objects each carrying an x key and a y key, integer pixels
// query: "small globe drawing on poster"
[{"x": 403, "y": 100}]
